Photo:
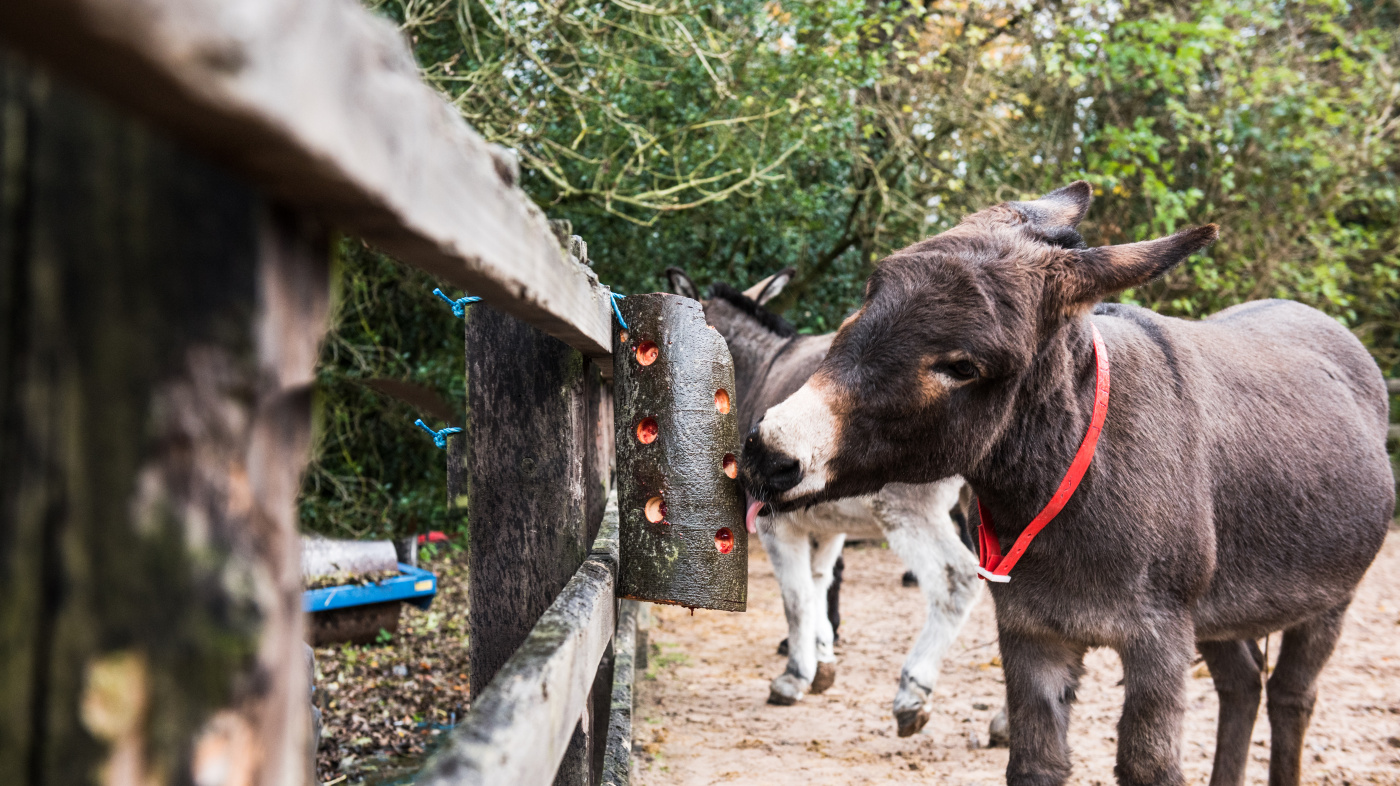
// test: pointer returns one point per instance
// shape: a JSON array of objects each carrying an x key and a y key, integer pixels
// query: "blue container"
[{"x": 413, "y": 585}]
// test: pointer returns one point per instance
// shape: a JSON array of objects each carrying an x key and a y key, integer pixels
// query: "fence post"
[
  {"x": 534, "y": 488},
  {"x": 160, "y": 331}
]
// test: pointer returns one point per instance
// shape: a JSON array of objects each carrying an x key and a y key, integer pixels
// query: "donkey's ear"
[
  {"x": 681, "y": 283},
  {"x": 1063, "y": 207},
  {"x": 1093, "y": 273},
  {"x": 770, "y": 287}
]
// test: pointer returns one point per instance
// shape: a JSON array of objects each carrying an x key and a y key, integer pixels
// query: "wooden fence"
[{"x": 170, "y": 171}]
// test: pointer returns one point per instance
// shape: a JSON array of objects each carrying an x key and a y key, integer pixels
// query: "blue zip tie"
[
  {"x": 459, "y": 307},
  {"x": 439, "y": 437},
  {"x": 614, "y": 298}
]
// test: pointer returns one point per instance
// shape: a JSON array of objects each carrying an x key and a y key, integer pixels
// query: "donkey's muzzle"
[{"x": 766, "y": 472}]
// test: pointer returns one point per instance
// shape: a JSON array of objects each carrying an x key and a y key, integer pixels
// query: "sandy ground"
[{"x": 702, "y": 716}]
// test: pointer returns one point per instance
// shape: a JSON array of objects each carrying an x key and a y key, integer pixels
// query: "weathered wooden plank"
[
  {"x": 520, "y": 725},
  {"x": 533, "y": 494},
  {"x": 160, "y": 330},
  {"x": 617, "y": 761},
  {"x": 583, "y": 758},
  {"x": 677, "y": 438},
  {"x": 319, "y": 104}
]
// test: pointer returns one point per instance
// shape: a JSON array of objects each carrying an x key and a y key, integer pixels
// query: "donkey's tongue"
[{"x": 752, "y": 513}]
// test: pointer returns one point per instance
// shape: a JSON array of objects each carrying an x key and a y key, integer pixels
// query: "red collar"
[{"x": 992, "y": 565}]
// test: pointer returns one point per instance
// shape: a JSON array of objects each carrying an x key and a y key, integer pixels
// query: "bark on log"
[
  {"x": 681, "y": 510},
  {"x": 160, "y": 330},
  {"x": 323, "y": 557}
]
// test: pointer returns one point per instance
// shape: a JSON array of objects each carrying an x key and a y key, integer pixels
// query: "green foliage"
[
  {"x": 736, "y": 137},
  {"x": 374, "y": 474}
]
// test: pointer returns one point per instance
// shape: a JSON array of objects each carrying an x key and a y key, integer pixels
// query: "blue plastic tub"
[{"x": 412, "y": 585}]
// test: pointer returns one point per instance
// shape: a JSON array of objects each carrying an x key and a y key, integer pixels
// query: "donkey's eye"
[{"x": 961, "y": 370}]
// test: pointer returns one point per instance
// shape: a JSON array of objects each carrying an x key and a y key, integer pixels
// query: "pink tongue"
[{"x": 754, "y": 507}]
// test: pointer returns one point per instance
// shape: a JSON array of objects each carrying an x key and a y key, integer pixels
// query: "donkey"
[
  {"x": 1239, "y": 486},
  {"x": 771, "y": 361}
]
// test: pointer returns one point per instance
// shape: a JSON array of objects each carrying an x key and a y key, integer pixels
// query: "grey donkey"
[
  {"x": 771, "y": 360},
  {"x": 1240, "y": 484}
]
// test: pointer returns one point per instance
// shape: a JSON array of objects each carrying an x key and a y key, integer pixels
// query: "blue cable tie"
[
  {"x": 459, "y": 306},
  {"x": 615, "y": 297},
  {"x": 439, "y": 437}
]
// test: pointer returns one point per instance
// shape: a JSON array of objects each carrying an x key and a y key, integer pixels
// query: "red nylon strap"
[{"x": 989, "y": 548}]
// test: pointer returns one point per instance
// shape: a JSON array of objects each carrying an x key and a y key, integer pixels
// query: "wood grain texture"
[
  {"x": 534, "y": 500},
  {"x": 677, "y": 559},
  {"x": 318, "y": 103},
  {"x": 160, "y": 326},
  {"x": 617, "y": 761},
  {"x": 521, "y": 724}
]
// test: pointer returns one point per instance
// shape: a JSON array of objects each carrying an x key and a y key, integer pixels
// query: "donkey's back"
[{"x": 1290, "y": 414}]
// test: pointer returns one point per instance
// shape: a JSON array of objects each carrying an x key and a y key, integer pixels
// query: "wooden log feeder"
[{"x": 681, "y": 509}]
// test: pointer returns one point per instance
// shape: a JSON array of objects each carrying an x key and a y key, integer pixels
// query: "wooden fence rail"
[
  {"x": 519, "y": 727},
  {"x": 318, "y": 104},
  {"x": 164, "y": 261},
  {"x": 617, "y": 761}
]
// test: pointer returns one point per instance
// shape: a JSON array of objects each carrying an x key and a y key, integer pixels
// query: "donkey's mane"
[
  {"x": 772, "y": 322},
  {"x": 1064, "y": 237}
]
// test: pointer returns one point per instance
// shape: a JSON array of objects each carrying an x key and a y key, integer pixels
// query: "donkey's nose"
[{"x": 768, "y": 471}]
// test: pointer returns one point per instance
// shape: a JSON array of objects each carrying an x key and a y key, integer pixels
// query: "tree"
[{"x": 736, "y": 138}]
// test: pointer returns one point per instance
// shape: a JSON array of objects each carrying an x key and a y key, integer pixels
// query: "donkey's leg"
[
  {"x": 1293, "y": 690},
  {"x": 1041, "y": 678},
  {"x": 1154, "y": 702},
  {"x": 833, "y": 602},
  {"x": 790, "y": 551},
  {"x": 1235, "y": 667},
  {"x": 833, "y": 597},
  {"x": 824, "y": 556},
  {"x": 926, "y": 538}
]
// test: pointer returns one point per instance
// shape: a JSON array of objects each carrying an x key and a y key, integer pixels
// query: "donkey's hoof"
[
  {"x": 826, "y": 677},
  {"x": 999, "y": 731},
  {"x": 786, "y": 690},
  {"x": 911, "y": 705},
  {"x": 911, "y": 721}
]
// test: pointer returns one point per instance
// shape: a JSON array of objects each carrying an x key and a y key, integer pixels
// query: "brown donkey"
[{"x": 1239, "y": 485}]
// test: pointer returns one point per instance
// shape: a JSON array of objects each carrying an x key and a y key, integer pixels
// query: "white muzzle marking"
[{"x": 803, "y": 427}]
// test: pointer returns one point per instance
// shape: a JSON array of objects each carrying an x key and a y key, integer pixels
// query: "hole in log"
[
  {"x": 647, "y": 431},
  {"x": 622, "y": 336},
  {"x": 647, "y": 352},
  {"x": 724, "y": 540},
  {"x": 722, "y": 401},
  {"x": 655, "y": 509},
  {"x": 731, "y": 467}
]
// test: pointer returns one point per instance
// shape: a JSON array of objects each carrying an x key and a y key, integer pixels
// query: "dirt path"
[{"x": 702, "y": 716}]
